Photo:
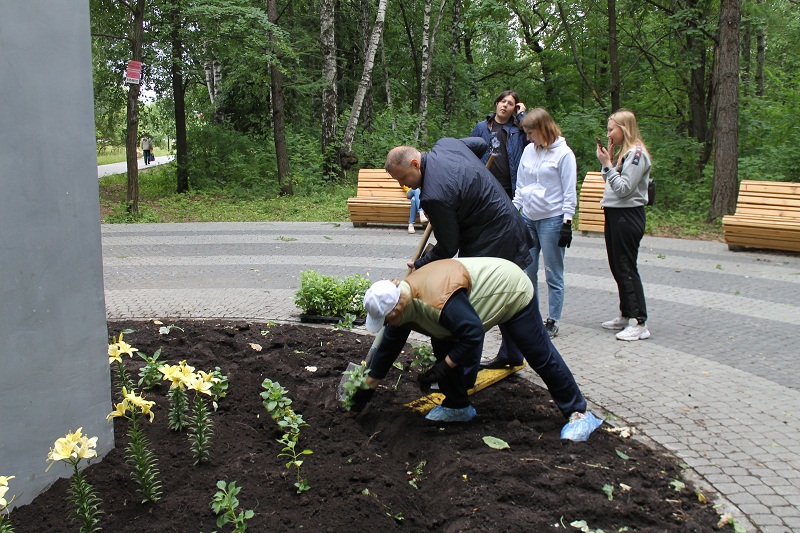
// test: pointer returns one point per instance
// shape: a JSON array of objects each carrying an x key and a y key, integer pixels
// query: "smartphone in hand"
[{"x": 599, "y": 143}]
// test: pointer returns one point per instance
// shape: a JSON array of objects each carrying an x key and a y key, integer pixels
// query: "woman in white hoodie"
[{"x": 546, "y": 196}]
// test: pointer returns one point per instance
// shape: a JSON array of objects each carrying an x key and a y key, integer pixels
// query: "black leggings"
[{"x": 624, "y": 229}]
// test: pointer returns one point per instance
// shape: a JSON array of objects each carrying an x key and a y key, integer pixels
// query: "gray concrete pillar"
[{"x": 54, "y": 372}]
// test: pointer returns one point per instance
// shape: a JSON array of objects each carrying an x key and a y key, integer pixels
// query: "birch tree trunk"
[
  {"x": 328, "y": 50},
  {"x": 726, "y": 180},
  {"x": 278, "y": 118},
  {"x": 428, "y": 40},
  {"x": 364, "y": 84}
]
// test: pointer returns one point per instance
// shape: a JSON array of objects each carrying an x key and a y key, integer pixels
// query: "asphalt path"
[{"x": 122, "y": 167}]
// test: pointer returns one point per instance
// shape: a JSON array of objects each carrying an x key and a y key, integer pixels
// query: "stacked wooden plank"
[
  {"x": 590, "y": 214},
  {"x": 767, "y": 216},
  {"x": 379, "y": 199}
]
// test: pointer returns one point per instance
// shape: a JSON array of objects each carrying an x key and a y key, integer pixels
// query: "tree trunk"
[
  {"x": 455, "y": 53},
  {"x": 613, "y": 57},
  {"x": 428, "y": 40},
  {"x": 328, "y": 50},
  {"x": 724, "y": 192},
  {"x": 179, "y": 99},
  {"x": 132, "y": 135},
  {"x": 364, "y": 84},
  {"x": 278, "y": 120},
  {"x": 761, "y": 47},
  {"x": 562, "y": 15}
]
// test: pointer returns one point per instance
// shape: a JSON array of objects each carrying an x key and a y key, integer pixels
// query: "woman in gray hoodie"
[{"x": 627, "y": 174}]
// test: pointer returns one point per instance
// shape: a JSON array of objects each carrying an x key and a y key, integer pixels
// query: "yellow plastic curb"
[{"x": 486, "y": 377}]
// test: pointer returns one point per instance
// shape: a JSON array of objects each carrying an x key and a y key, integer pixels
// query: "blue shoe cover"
[
  {"x": 447, "y": 414},
  {"x": 579, "y": 430}
]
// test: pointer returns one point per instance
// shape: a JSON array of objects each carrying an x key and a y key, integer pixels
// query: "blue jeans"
[
  {"x": 413, "y": 195},
  {"x": 545, "y": 234}
]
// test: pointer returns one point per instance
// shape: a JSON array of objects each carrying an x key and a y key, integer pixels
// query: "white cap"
[{"x": 379, "y": 301}]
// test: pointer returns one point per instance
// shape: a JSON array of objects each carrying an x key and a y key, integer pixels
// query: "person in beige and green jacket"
[{"x": 455, "y": 301}]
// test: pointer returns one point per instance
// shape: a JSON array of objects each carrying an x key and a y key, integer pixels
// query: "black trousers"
[{"x": 624, "y": 229}]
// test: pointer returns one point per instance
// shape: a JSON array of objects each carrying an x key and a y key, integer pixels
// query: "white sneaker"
[
  {"x": 634, "y": 332},
  {"x": 422, "y": 218},
  {"x": 618, "y": 323},
  {"x": 411, "y": 228}
]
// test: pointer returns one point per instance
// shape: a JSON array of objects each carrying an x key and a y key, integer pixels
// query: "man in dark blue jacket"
[{"x": 470, "y": 212}]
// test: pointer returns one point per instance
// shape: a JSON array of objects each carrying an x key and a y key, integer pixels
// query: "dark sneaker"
[{"x": 552, "y": 327}]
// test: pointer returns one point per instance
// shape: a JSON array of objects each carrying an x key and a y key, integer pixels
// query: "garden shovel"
[{"x": 421, "y": 249}]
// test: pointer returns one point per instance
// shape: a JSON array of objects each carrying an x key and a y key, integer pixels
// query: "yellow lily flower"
[
  {"x": 139, "y": 401},
  {"x": 86, "y": 447},
  {"x": 113, "y": 353},
  {"x": 124, "y": 347},
  {"x": 3, "y": 490},
  {"x": 200, "y": 384},
  {"x": 120, "y": 409}
]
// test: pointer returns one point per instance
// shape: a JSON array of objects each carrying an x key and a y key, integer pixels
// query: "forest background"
[{"x": 270, "y": 103}]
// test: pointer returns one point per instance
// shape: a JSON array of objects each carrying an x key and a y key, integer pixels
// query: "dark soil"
[{"x": 360, "y": 470}]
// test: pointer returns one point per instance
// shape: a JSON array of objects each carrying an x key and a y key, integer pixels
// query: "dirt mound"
[{"x": 386, "y": 469}]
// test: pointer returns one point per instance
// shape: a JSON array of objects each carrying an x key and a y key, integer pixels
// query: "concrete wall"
[{"x": 54, "y": 372}]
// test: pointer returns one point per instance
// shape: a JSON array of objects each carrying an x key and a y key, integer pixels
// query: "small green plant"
[
  {"x": 324, "y": 295},
  {"x": 356, "y": 379},
  {"x": 417, "y": 474},
  {"x": 291, "y": 424},
  {"x": 274, "y": 399},
  {"x": 5, "y": 521},
  {"x": 166, "y": 330},
  {"x": 71, "y": 449},
  {"x": 149, "y": 376},
  {"x": 277, "y": 404},
  {"x": 423, "y": 356},
  {"x": 225, "y": 504},
  {"x": 139, "y": 456},
  {"x": 346, "y": 322},
  {"x": 220, "y": 388}
]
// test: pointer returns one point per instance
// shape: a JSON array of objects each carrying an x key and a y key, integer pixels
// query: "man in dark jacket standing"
[{"x": 470, "y": 212}]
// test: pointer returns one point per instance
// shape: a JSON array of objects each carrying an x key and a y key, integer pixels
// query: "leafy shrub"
[{"x": 324, "y": 295}]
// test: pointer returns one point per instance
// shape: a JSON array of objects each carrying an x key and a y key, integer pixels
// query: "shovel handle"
[{"x": 421, "y": 247}]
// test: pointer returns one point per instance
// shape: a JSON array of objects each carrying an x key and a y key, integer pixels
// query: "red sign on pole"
[{"x": 134, "y": 72}]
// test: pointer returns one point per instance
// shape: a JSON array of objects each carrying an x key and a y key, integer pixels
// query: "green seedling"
[
  {"x": 423, "y": 357},
  {"x": 165, "y": 330},
  {"x": 224, "y": 505},
  {"x": 416, "y": 475},
  {"x": 274, "y": 399},
  {"x": 149, "y": 376},
  {"x": 356, "y": 379},
  {"x": 346, "y": 323}
]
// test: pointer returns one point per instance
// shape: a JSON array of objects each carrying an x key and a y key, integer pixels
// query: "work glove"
[
  {"x": 565, "y": 237},
  {"x": 438, "y": 372},
  {"x": 361, "y": 398}
]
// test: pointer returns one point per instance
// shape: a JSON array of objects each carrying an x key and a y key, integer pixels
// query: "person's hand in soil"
[
  {"x": 435, "y": 374},
  {"x": 361, "y": 398}
]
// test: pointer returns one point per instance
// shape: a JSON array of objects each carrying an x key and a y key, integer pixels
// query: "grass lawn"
[{"x": 158, "y": 202}]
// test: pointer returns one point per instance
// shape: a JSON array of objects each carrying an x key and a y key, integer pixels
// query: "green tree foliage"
[{"x": 555, "y": 55}]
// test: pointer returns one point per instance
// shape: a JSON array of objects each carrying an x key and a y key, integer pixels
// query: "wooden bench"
[
  {"x": 379, "y": 199},
  {"x": 590, "y": 214},
  {"x": 767, "y": 216}
]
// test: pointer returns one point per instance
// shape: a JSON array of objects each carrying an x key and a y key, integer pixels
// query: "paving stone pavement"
[{"x": 717, "y": 384}]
